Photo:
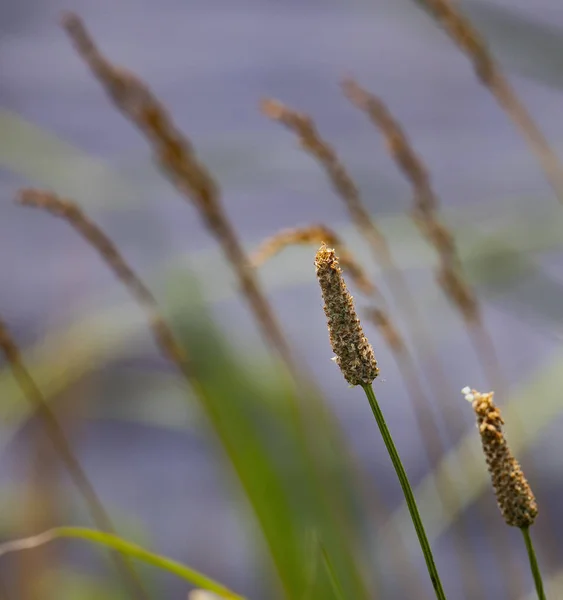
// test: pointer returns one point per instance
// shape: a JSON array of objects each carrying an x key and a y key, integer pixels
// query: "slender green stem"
[
  {"x": 533, "y": 563},
  {"x": 337, "y": 588},
  {"x": 407, "y": 491}
]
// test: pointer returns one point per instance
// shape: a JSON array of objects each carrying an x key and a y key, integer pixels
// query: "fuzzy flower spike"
[
  {"x": 514, "y": 495},
  {"x": 354, "y": 354}
]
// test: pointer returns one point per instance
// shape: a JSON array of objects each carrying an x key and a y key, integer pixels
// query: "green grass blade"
[
  {"x": 295, "y": 490},
  {"x": 127, "y": 548}
]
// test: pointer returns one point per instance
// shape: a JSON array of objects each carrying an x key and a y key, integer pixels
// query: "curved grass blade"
[
  {"x": 293, "y": 491},
  {"x": 127, "y": 548}
]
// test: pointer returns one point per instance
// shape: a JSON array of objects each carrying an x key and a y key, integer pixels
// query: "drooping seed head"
[
  {"x": 354, "y": 354},
  {"x": 514, "y": 495}
]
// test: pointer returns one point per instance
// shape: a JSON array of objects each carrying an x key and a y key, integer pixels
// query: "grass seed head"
[
  {"x": 514, "y": 495},
  {"x": 354, "y": 354}
]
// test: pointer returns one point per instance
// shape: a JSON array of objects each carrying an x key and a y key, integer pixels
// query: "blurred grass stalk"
[{"x": 469, "y": 41}]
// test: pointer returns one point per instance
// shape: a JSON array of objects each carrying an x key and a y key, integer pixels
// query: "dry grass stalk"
[
  {"x": 450, "y": 276},
  {"x": 388, "y": 330},
  {"x": 311, "y": 141},
  {"x": 396, "y": 140},
  {"x": 70, "y": 212},
  {"x": 470, "y": 42},
  {"x": 176, "y": 156},
  {"x": 315, "y": 234},
  {"x": 62, "y": 446},
  {"x": 354, "y": 354},
  {"x": 515, "y": 498}
]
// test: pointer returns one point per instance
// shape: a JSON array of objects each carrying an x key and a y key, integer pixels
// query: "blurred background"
[{"x": 151, "y": 451}]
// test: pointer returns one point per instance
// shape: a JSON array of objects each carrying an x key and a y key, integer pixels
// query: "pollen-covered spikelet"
[
  {"x": 354, "y": 354},
  {"x": 514, "y": 495}
]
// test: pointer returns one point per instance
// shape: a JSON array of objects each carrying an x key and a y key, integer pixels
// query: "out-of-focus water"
[{"x": 211, "y": 61}]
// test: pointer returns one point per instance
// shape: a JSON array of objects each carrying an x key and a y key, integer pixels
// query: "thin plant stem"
[
  {"x": 337, "y": 588},
  {"x": 533, "y": 562},
  {"x": 407, "y": 491}
]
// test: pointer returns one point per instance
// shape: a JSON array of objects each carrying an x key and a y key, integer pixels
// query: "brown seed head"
[
  {"x": 354, "y": 354},
  {"x": 514, "y": 495}
]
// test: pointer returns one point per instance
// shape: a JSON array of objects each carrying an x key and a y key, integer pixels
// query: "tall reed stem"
[
  {"x": 533, "y": 562},
  {"x": 407, "y": 491}
]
